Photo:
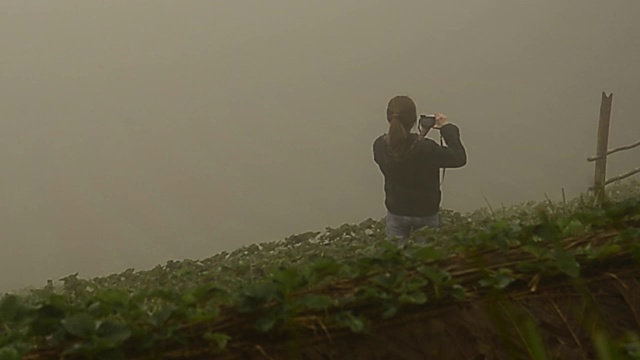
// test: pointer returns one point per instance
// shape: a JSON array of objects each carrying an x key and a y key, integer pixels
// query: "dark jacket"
[{"x": 412, "y": 182}]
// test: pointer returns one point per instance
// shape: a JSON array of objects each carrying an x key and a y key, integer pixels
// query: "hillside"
[{"x": 491, "y": 284}]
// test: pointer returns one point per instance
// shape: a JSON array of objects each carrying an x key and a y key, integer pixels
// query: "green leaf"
[
  {"x": 315, "y": 302},
  {"x": 632, "y": 349},
  {"x": 573, "y": 227},
  {"x": 414, "y": 284},
  {"x": 220, "y": 340},
  {"x": 389, "y": 280},
  {"x": 435, "y": 274},
  {"x": 189, "y": 299},
  {"x": 547, "y": 230},
  {"x": 289, "y": 278},
  {"x": 253, "y": 296},
  {"x": 82, "y": 325},
  {"x": 458, "y": 292},
  {"x": 322, "y": 269},
  {"x": 207, "y": 292},
  {"x": 390, "y": 310},
  {"x": 534, "y": 340},
  {"x": 606, "y": 251},
  {"x": 427, "y": 253},
  {"x": 47, "y": 320},
  {"x": 372, "y": 293},
  {"x": 113, "y": 332},
  {"x": 566, "y": 262},
  {"x": 10, "y": 308},
  {"x": 9, "y": 353},
  {"x": 355, "y": 323},
  {"x": 113, "y": 298},
  {"x": 159, "y": 317},
  {"x": 535, "y": 250},
  {"x": 79, "y": 349},
  {"x": 631, "y": 345},
  {"x": 499, "y": 280},
  {"x": 414, "y": 297},
  {"x": 604, "y": 346},
  {"x": 502, "y": 281},
  {"x": 267, "y": 322}
]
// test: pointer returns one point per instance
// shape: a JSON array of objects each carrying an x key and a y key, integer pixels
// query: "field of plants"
[{"x": 283, "y": 299}]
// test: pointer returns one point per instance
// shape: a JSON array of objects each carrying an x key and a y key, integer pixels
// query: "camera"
[{"x": 426, "y": 121}]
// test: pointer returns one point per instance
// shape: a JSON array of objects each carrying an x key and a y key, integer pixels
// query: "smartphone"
[{"x": 427, "y": 121}]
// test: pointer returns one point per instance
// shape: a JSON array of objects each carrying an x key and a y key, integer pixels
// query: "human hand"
[{"x": 441, "y": 120}]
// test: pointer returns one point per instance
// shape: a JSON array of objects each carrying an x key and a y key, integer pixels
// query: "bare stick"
[
  {"x": 601, "y": 148},
  {"x": 489, "y": 204},
  {"x": 623, "y": 176},
  {"x": 613, "y": 151},
  {"x": 566, "y": 323},
  {"x": 619, "y": 177}
]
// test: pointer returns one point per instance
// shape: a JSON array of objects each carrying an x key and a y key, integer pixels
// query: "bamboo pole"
[{"x": 602, "y": 146}]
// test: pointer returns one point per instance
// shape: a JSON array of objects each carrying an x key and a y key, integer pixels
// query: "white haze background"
[{"x": 135, "y": 132}]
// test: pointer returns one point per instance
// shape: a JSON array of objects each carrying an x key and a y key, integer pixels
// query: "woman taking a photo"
[{"x": 410, "y": 164}]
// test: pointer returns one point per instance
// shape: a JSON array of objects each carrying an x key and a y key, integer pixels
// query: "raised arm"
[{"x": 454, "y": 154}]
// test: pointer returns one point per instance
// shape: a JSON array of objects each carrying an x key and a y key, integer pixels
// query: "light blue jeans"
[{"x": 402, "y": 226}]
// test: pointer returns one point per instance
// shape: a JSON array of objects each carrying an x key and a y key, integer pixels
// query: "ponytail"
[
  {"x": 397, "y": 136},
  {"x": 402, "y": 116}
]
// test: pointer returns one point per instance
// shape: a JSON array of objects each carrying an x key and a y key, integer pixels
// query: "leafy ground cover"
[{"x": 278, "y": 296}]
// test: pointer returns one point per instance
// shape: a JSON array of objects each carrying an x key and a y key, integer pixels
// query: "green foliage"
[
  {"x": 218, "y": 340},
  {"x": 9, "y": 353},
  {"x": 357, "y": 324},
  {"x": 499, "y": 279},
  {"x": 81, "y": 325},
  {"x": 534, "y": 341},
  {"x": 278, "y": 284},
  {"x": 566, "y": 262},
  {"x": 605, "y": 346}
]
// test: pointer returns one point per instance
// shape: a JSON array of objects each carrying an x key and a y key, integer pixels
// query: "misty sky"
[{"x": 134, "y": 132}]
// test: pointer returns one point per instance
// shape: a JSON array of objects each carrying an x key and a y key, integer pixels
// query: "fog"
[{"x": 135, "y": 132}]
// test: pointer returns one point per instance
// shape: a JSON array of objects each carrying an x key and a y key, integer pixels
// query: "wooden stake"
[{"x": 601, "y": 148}]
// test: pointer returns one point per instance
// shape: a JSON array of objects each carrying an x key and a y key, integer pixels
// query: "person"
[{"x": 410, "y": 165}]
